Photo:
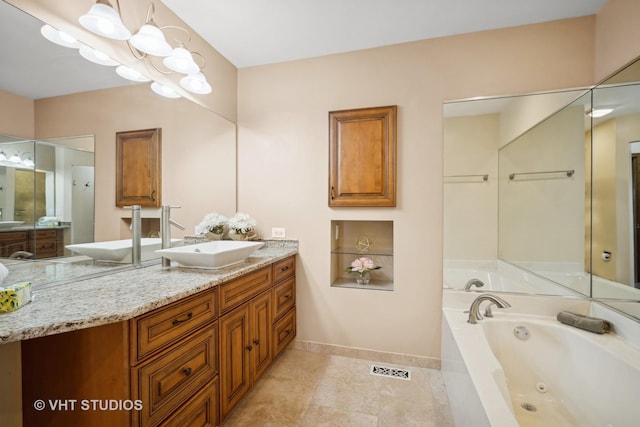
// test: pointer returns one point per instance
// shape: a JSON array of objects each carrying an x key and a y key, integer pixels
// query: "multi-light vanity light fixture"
[
  {"x": 17, "y": 160},
  {"x": 148, "y": 42}
]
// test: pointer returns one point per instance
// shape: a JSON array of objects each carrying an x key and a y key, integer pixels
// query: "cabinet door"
[
  {"x": 234, "y": 358},
  {"x": 138, "y": 168},
  {"x": 362, "y": 157},
  {"x": 261, "y": 326}
]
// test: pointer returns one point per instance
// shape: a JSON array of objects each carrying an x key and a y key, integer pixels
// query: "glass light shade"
[
  {"x": 196, "y": 83},
  {"x": 59, "y": 37},
  {"x": 181, "y": 61},
  {"x": 97, "y": 57},
  {"x": 131, "y": 74},
  {"x": 3, "y": 156},
  {"x": 103, "y": 20},
  {"x": 163, "y": 90},
  {"x": 151, "y": 40},
  {"x": 15, "y": 158}
]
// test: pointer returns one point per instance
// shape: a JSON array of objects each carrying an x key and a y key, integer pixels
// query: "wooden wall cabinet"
[
  {"x": 138, "y": 168},
  {"x": 362, "y": 157}
]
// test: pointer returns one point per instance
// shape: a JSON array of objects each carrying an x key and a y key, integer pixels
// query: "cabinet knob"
[
  {"x": 283, "y": 269},
  {"x": 249, "y": 347},
  {"x": 287, "y": 297},
  {"x": 178, "y": 321},
  {"x": 256, "y": 341},
  {"x": 187, "y": 372},
  {"x": 332, "y": 195},
  {"x": 287, "y": 332}
]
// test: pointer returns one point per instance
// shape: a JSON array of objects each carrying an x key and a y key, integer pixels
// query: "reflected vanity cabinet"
[
  {"x": 138, "y": 168},
  {"x": 362, "y": 157}
]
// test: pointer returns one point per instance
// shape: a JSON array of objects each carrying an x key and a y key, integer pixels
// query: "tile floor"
[{"x": 312, "y": 389}]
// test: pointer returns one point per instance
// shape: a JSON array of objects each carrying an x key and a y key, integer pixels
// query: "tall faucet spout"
[
  {"x": 136, "y": 235},
  {"x": 473, "y": 282},
  {"x": 474, "y": 310},
  {"x": 165, "y": 230}
]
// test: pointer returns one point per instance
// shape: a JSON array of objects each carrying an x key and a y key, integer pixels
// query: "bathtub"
[
  {"x": 498, "y": 276},
  {"x": 558, "y": 376}
]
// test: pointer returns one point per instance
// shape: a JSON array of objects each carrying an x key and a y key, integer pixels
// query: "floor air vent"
[{"x": 383, "y": 371}]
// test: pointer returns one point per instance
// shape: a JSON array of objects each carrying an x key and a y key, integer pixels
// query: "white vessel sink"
[
  {"x": 5, "y": 225},
  {"x": 120, "y": 250},
  {"x": 215, "y": 254}
]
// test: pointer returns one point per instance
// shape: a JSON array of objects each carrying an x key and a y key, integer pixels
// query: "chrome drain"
[{"x": 528, "y": 407}]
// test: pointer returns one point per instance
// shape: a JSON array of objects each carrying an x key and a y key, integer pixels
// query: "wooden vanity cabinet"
[
  {"x": 187, "y": 364},
  {"x": 166, "y": 360},
  {"x": 252, "y": 326}
]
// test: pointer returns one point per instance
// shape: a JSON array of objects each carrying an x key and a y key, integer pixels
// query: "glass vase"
[{"x": 363, "y": 278}]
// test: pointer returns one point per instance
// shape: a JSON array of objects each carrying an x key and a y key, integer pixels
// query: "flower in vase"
[
  {"x": 362, "y": 265},
  {"x": 242, "y": 223},
  {"x": 212, "y": 223}
]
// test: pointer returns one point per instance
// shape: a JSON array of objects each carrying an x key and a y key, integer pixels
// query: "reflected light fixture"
[
  {"x": 600, "y": 112},
  {"x": 97, "y": 57},
  {"x": 103, "y": 20},
  {"x": 196, "y": 83},
  {"x": 163, "y": 90},
  {"x": 59, "y": 37},
  {"x": 27, "y": 160},
  {"x": 15, "y": 158},
  {"x": 131, "y": 74},
  {"x": 3, "y": 156}
]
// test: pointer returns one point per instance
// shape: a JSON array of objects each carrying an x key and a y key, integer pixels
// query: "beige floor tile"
[{"x": 312, "y": 389}]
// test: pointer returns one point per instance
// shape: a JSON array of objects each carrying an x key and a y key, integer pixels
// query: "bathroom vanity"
[{"x": 152, "y": 346}]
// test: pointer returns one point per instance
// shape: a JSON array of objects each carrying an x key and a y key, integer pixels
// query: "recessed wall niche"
[{"x": 354, "y": 239}]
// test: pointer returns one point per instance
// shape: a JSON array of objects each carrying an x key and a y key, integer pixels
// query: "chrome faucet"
[
  {"x": 165, "y": 230},
  {"x": 473, "y": 282},
  {"x": 136, "y": 235},
  {"x": 474, "y": 310}
]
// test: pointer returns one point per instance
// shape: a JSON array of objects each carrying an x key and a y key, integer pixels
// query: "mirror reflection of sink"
[
  {"x": 212, "y": 255},
  {"x": 5, "y": 225},
  {"x": 120, "y": 250}
]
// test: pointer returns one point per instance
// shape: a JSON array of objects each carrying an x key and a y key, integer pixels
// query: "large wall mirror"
[
  {"x": 541, "y": 193},
  {"x": 62, "y": 190}
]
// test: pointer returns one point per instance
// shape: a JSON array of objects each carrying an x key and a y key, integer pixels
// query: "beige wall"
[
  {"x": 198, "y": 151},
  {"x": 16, "y": 115},
  {"x": 283, "y": 149},
  {"x": 617, "y": 36}
]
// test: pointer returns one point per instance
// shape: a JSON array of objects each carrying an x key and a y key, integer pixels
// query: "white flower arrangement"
[
  {"x": 242, "y": 223},
  {"x": 212, "y": 223}
]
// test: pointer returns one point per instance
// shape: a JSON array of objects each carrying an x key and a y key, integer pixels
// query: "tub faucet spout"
[
  {"x": 474, "y": 310},
  {"x": 473, "y": 282}
]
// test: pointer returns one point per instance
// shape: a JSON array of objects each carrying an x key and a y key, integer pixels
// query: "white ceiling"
[{"x": 253, "y": 32}]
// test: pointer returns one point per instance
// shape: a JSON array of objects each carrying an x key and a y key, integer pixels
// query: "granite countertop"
[{"x": 122, "y": 295}]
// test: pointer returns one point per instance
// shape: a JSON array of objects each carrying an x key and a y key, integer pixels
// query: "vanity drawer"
[
  {"x": 169, "y": 380},
  {"x": 284, "y": 297},
  {"x": 166, "y": 325},
  {"x": 284, "y": 330},
  {"x": 200, "y": 411},
  {"x": 284, "y": 268},
  {"x": 240, "y": 290}
]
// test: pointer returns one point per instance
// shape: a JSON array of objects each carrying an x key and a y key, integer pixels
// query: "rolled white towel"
[{"x": 4, "y": 272}]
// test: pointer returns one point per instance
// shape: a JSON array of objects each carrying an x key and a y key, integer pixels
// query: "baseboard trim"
[{"x": 360, "y": 353}]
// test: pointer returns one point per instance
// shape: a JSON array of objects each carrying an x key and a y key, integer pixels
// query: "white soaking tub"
[{"x": 557, "y": 376}]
